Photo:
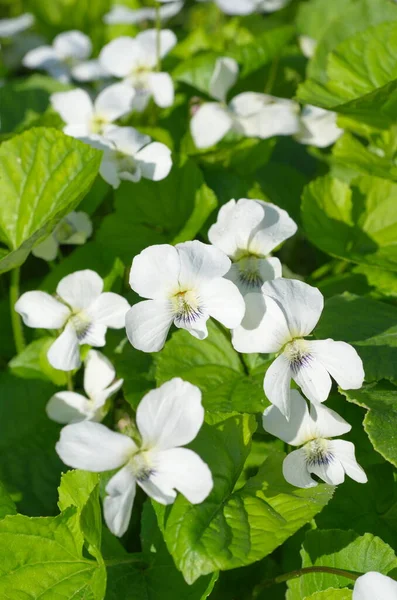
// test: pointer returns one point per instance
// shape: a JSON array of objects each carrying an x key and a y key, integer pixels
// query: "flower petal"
[
  {"x": 64, "y": 354},
  {"x": 295, "y": 431},
  {"x": 331, "y": 472},
  {"x": 99, "y": 373},
  {"x": 81, "y": 225},
  {"x": 171, "y": 415},
  {"x": 72, "y": 44},
  {"x": 89, "y": 70},
  {"x": 313, "y": 378},
  {"x": 210, "y": 124},
  {"x": 149, "y": 39},
  {"x": 40, "y": 58},
  {"x": 158, "y": 489},
  {"x": 341, "y": 361},
  {"x": 345, "y": 453},
  {"x": 279, "y": 117},
  {"x": 68, "y": 407},
  {"x": 301, "y": 303},
  {"x": 109, "y": 309},
  {"x": 114, "y": 101},
  {"x": 196, "y": 326},
  {"x": 295, "y": 470},
  {"x": 318, "y": 127},
  {"x": 39, "y": 309},
  {"x": 375, "y": 586},
  {"x": 117, "y": 505},
  {"x": 155, "y": 271},
  {"x": 223, "y": 302},
  {"x": 186, "y": 472},
  {"x": 276, "y": 227},
  {"x": 75, "y": 106},
  {"x": 47, "y": 250},
  {"x": 277, "y": 385},
  {"x": 263, "y": 328},
  {"x": 162, "y": 88},
  {"x": 237, "y": 7},
  {"x": 120, "y": 56},
  {"x": 147, "y": 324},
  {"x": 155, "y": 161},
  {"x": 93, "y": 447},
  {"x": 80, "y": 289},
  {"x": 200, "y": 263},
  {"x": 13, "y": 26},
  {"x": 223, "y": 78},
  {"x": 94, "y": 335},
  {"x": 81, "y": 132},
  {"x": 326, "y": 423},
  {"x": 128, "y": 140}
]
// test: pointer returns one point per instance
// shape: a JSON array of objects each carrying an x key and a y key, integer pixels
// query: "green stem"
[
  {"x": 158, "y": 37},
  {"x": 272, "y": 76},
  {"x": 16, "y": 321},
  {"x": 125, "y": 561},
  {"x": 69, "y": 377},
  {"x": 298, "y": 573}
]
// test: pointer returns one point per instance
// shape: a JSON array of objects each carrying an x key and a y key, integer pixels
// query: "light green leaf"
[
  {"x": 216, "y": 368},
  {"x": 44, "y": 560},
  {"x": 29, "y": 466},
  {"x": 351, "y": 153},
  {"x": 235, "y": 527},
  {"x": 384, "y": 281},
  {"x": 314, "y": 18},
  {"x": 157, "y": 212},
  {"x": 370, "y": 326},
  {"x": 380, "y": 422},
  {"x": 332, "y": 594},
  {"x": 44, "y": 174},
  {"x": 356, "y": 223},
  {"x": 197, "y": 71},
  {"x": 32, "y": 363},
  {"x": 344, "y": 550}
]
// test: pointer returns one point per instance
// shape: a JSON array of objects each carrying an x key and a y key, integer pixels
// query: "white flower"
[
  {"x": 122, "y": 15},
  {"x": 307, "y": 45},
  {"x": 167, "y": 418},
  {"x": 328, "y": 459},
  {"x": 277, "y": 320},
  {"x": 11, "y": 27},
  {"x": 247, "y": 231},
  {"x": 99, "y": 385},
  {"x": 129, "y": 155},
  {"x": 250, "y": 113},
  {"x": 81, "y": 308},
  {"x": 85, "y": 118},
  {"x": 185, "y": 286},
  {"x": 68, "y": 50},
  {"x": 74, "y": 229},
  {"x": 375, "y": 586},
  {"x": 247, "y": 7},
  {"x": 318, "y": 127},
  {"x": 135, "y": 60}
]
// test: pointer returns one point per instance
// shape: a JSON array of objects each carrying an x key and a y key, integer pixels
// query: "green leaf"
[
  {"x": 380, "y": 422},
  {"x": 332, "y": 594},
  {"x": 32, "y": 363},
  {"x": 197, "y": 71},
  {"x": 356, "y": 223},
  {"x": 64, "y": 15},
  {"x": 314, "y": 18},
  {"x": 157, "y": 212},
  {"x": 216, "y": 368},
  {"x": 351, "y": 153},
  {"x": 235, "y": 527},
  {"x": 263, "y": 49},
  {"x": 44, "y": 559},
  {"x": 342, "y": 550},
  {"x": 29, "y": 466},
  {"x": 44, "y": 174},
  {"x": 24, "y": 100},
  {"x": 370, "y": 326},
  {"x": 81, "y": 489},
  {"x": 7, "y": 505}
]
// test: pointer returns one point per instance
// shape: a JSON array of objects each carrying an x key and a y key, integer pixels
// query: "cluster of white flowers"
[{"x": 375, "y": 586}]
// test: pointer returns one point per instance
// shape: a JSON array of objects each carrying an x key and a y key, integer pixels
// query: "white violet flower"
[
  {"x": 318, "y": 127},
  {"x": 135, "y": 61},
  {"x": 16, "y": 25},
  {"x": 184, "y": 285},
  {"x": 129, "y": 155},
  {"x": 375, "y": 586},
  {"x": 307, "y": 45},
  {"x": 278, "y": 320},
  {"x": 85, "y": 118},
  {"x": 67, "y": 51},
  {"x": 247, "y": 7},
  {"x": 81, "y": 309},
  {"x": 250, "y": 113},
  {"x": 71, "y": 407},
  {"x": 329, "y": 459},
  {"x": 167, "y": 418},
  {"x": 122, "y": 15},
  {"x": 74, "y": 229},
  {"x": 247, "y": 231}
]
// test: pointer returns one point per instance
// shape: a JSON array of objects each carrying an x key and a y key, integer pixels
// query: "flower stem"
[
  {"x": 298, "y": 573},
  {"x": 16, "y": 321},
  {"x": 158, "y": 37},
  {"x": 69, "y": 377}
]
